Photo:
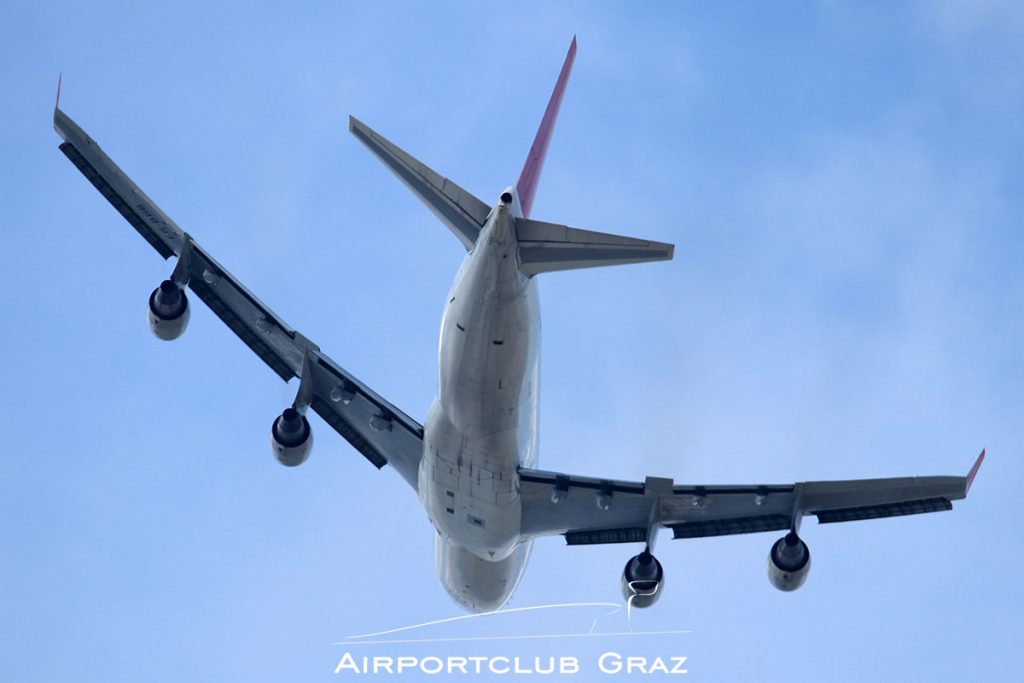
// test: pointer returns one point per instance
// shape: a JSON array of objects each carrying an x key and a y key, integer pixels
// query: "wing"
[
  {"x": 589, "y": 511},
  {"x": 463, "y": 213},
  {"x": 375, "y": 427}
]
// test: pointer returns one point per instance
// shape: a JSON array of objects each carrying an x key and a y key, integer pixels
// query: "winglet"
[
  {"x": 527, "y": 184},
  {"x": 60, "y": 77},
  {"x": 974, "y": 471}
]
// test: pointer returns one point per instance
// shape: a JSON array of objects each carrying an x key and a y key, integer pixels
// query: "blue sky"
[{"x": 842, "y": 182}]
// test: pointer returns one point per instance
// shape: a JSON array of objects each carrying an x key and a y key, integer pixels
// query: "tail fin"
[
  {"x": 546, "y": 247},
  {"x": 526, "y": 187}
]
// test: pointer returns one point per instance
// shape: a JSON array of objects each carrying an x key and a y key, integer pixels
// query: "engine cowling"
[
  {"x": 168, "y": 311},
  {"x": 789, "y": 560},
  {"x": 291, "y": 438},
  {"x": 642, "y": 580}
]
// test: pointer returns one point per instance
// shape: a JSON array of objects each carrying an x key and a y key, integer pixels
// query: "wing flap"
[
  {"x": 376, "y": 428},
  {"x": 728, "y": 527},
  {"x": 269, "y": 337},
  {"x": 602, "y": 536},
  {"x": 555, "y": 503}
]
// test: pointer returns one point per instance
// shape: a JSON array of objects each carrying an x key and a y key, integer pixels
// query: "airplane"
[{"x": 472, "y": 463}]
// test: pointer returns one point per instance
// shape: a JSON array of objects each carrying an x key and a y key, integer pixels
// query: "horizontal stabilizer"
[
  {"x": 463, "y": 213},
  {"x": 545, "y": 247}
]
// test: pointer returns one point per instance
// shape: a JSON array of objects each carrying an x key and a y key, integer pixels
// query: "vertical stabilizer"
[{"x": 527, "y": 185}]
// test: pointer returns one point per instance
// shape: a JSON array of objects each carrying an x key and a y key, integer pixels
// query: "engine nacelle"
[
  {"x": 642, "y": 580},
  {"x": 291, "y": 438},
  {"x": 789, "y": 560},
  {"x": 168, "y": 311}
]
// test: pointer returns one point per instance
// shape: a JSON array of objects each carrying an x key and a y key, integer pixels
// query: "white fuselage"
[{"x": 483, "y": 424}]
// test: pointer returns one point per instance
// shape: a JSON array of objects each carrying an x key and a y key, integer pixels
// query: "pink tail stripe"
[
  {"x": 974, "y": 470},
  {"x": 527, "y": 184}
]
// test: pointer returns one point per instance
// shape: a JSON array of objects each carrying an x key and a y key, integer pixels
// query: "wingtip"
[
  {"x": 974, "y": 470},
  {"x": 60, "y": 77}
]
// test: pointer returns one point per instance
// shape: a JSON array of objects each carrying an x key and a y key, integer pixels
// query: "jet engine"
[
  {"x": 291, "y": 438},
  {"x": 642, "y": 580},
  {"x": 168, "y": 311},
  {"x": 788, "y": 562}
]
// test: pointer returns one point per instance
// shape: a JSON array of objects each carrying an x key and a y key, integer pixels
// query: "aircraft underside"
[
  {"x": 482, "y": 426},
  {"x": 472, "y": 463}
]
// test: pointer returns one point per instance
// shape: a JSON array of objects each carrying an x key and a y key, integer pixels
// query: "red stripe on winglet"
[
  {"x": 974, "y": 470},
  {"x": 527, "y": 184}
]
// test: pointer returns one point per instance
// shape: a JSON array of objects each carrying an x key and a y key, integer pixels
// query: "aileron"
[{"x": 910, "y": 507}]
